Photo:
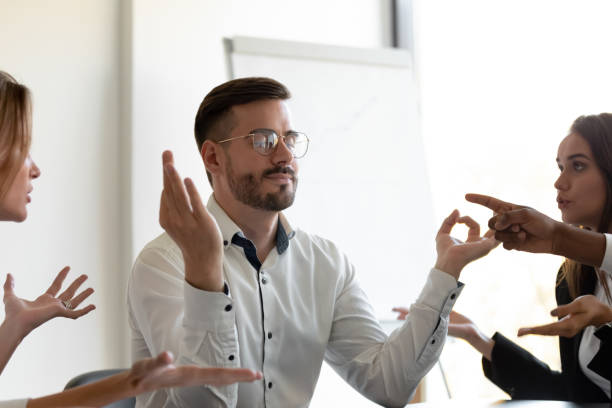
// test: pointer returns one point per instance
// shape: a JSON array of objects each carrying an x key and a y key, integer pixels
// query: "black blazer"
[{"x": 523, "y": 376}]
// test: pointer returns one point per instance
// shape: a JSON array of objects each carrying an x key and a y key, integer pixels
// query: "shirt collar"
[{"x": 284, "y": 231}]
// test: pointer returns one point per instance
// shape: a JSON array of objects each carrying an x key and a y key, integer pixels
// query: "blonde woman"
[{"x": 17, "y": 171}]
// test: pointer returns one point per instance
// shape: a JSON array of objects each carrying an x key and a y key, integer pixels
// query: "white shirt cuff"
[
  {"x": 439, "y": 286},
  {"x": 211, "y": 311}
]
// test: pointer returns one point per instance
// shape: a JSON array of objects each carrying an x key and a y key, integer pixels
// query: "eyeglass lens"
[{"x": 265, "y": 141}]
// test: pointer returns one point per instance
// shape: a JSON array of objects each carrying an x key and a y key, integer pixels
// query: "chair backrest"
[{"x": 98, "y": 375}]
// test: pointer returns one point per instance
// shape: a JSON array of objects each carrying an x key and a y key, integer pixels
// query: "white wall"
[
  {"x": 501, "y": 84},
  {"x": 66, "y": 52},
  {"x": 179, "y": 57}
]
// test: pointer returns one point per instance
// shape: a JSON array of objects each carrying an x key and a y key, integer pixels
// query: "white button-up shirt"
[{"x": 301, "y": 307}]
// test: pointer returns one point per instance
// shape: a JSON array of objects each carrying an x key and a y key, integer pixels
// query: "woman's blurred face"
[
  {"x": 581, "y": 186},
  {"x": 13, "y": 204}
]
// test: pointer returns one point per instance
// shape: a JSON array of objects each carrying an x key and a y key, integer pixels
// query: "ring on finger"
[{"x": 67, "y": 304}]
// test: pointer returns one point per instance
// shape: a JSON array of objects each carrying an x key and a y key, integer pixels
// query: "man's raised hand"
[
  {"x": 185, "y": 218},
  {"x": 454, "y": 254}
]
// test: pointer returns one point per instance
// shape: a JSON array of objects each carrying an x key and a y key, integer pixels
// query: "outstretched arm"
[
  {"x": 23, "y": 316},
  {"x": 525, "y": 229},
  {"x": 144, "y": 376}
]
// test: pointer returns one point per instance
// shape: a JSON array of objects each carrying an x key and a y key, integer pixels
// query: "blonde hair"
[
  {"x": 572, "y": 273},
  {"x": 15, "y": 129}
]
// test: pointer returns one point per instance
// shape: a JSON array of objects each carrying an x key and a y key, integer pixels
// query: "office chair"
[{"x": 98, "y": 375}]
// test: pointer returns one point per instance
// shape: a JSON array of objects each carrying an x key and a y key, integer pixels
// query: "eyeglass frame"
[{"x": 252, "y": 135}]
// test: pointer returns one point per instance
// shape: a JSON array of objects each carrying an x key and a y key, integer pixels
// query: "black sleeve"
[{"x": 520, "y": 374}]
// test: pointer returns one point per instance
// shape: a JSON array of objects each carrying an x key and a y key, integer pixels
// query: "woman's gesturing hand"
[
  {"x": 145, "y": 375},
  {"x": 583, "y": 311},
  {"x": 159, "y": 372},
  {"x": 27, "y": 315}
]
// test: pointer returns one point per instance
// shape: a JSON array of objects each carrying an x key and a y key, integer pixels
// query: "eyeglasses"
[{"x": 266, "y": 140}]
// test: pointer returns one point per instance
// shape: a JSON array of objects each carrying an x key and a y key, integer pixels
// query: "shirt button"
[
  {"x": 228, "y": 308},
  {"x": 433, "y": 341},
  {"x": 269, "y": 335},
  {"x": 269, "y": 385},
  {"x": 264, "y": 280},
  {"x": 453, "y": 296},
  {"x": 231, "y": 357},
  {"x": 225, "y": 243},
  {"x": 263, "y": 271}
]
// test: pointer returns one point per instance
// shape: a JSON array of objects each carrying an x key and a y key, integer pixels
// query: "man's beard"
[{"x": 246, "y": 189}]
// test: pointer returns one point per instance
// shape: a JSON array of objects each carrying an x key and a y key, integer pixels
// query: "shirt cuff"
[
  {"x": 606, "y": 264},
  {"x": 210, "y": 311},
  {"x": 439, "y": 288}
]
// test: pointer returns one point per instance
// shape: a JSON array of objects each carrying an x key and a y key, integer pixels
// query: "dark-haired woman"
[
  {"x": 17, "y": 170},
  {"x": 583, "y": 292}
]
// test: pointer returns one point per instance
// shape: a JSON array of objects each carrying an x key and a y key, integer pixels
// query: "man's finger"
[
  {"x": 166, "y": 159},
  {"x": 448, "y": 223},
  {"x": 492, "y": 203},
  {"x": 474, "y": 227},
  {"x": 489, "y": 234},
  {"x": 177, "y": 191},
  {"x": 58, "y": 281},
  {"x": 196, "y": 201},
  {"x": 489, "y": 242}
]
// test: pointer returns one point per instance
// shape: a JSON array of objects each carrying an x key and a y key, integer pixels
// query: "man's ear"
[{"x": 212, "y": 156}]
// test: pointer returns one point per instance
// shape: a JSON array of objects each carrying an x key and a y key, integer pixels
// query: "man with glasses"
[{"x": 233, "y": 284}]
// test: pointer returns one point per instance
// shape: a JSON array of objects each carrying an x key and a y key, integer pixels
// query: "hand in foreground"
[
  {"x": 146, "y": 375},
  {"x": 159, "y": 372},
  {"x": 189, "y": 224},
  {"x": 583, "y": 311},
  {"x": 462, "y": 327},
  {"x": 28, "y": 315},
  {"x": 519, "y": 227},
  {"x": 454, "y": 254}
]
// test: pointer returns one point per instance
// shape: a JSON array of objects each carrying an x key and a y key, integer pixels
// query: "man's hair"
[
  {"x": 15, "y": 129},
  {"x": 213, "y": 119}
]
